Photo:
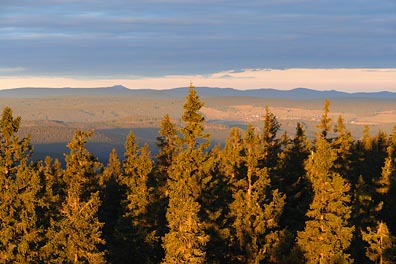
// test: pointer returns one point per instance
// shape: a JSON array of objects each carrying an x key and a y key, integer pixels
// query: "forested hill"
[
  {"x": 263, "y": 197},
  {"x": 119, "y": 90}
]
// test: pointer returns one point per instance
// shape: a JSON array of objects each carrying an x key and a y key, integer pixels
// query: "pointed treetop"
[
  {"x": 193, "y": 119},
  {"x": 325, "y": 121},
  {"x": 9, "y": 124}
]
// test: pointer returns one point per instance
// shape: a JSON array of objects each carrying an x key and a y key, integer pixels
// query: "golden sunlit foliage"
[{"x": 263, "y": 197}]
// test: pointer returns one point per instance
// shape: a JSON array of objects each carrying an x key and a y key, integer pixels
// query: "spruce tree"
[
  {"x": 166, "y": 142},
  {"x": 366, "y": 206},
  {"x": 51, "y": 191},
  {"x": 76, "y": 234},
  {"x": 217, "y": 195},
  {"x": 255, "y": 209},
  {"x": 381, "y": 244},
  {"x": 343, "y": 144},
  {"x": 294, "y": 185},
  {"x": 137, "y": 165},
  {"x": 214, "y": 200},
  {"x": 135, "y": 236},
  {"x": 231, "y": 157},
  {"x": 386, "y": 190},
  {"x": 20, "y": 233},
  {"x": 325, "y": 120},
  {"x": 327, "y": 234},
  {"x": 186, "y": 240},
  {"x": 110, "y": 210},
  {"x": 270, "y": 143}
]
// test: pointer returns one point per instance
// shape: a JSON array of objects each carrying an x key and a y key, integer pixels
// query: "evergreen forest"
[{"x": 262, "y": 197}]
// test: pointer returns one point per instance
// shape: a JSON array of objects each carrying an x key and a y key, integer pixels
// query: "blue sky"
[{"x": 151, "y": 38}]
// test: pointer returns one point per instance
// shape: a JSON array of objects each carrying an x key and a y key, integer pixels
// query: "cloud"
[
  {"x": 172, "y": 37},
  {"x": 16, "y": 70}
]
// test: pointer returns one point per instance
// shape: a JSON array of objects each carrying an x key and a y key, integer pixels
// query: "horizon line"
[{"x": 322, "y": 79}]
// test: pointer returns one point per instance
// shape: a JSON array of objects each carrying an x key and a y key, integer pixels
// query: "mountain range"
[{"x": 204, "y": 92}]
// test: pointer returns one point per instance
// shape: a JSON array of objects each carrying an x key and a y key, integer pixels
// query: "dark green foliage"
[
  {"x": 255, "y": 209},
  {"x": 110, "y": 210},
  {"x": 270, "y": 143},
  {"x": 135, "y": 238},
  {"x": 215, "y": 197},
  {"x": 295, "y": 185}
]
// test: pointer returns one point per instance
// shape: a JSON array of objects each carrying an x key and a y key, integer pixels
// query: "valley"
[{"x": 52, "y": 116}]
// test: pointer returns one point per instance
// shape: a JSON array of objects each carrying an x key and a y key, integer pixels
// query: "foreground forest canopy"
[{"x": 264, "y": 197}]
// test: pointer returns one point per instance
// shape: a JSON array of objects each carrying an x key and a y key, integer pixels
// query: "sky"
[{"x": 320, "y": 44}]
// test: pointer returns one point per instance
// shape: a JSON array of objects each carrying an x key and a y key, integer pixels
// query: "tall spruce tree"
[
  {"x": 110, "y": 210},
  {"x": 388, "y": 183},
  {"x": 294, "y": 185},
  {"x": 185, "y": 242},
  {"x": 214, "y": 200},
  {"x": 19, "y": 196},
  {"x": 325, "y": 121},
  {"x": 51, "y": 191},
  {"x": 270, "y": 143},
  {"x": 231, "y": 158},
  {"x": 343, "y": 144},
  {"x": 226, "y": 169},
  {"x": 75, "y": 236},
  {"x": 256, "y": 208},
  {"x": 167, "y": 141},
  {"x": 52, "y": 188},
  {"x": 136, "y": 239},
  {"x": 327, "y": 234}
]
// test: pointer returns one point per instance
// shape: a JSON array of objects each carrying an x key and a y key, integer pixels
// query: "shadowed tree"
[
  {"x": 135, "y": 236},
  {"x": 386, "y": 189},
  {"x": 270, "y": 143},
  {"x": 110, "y": 194},
  {"x": 294, "y": 184},
  {"x": 255, "y": 209}
]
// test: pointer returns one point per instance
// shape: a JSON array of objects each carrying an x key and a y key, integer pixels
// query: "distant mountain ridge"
[{"x": 119, "y": 90}]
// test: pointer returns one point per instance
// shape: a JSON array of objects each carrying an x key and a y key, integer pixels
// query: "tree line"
[{"x": 263, "y": 197}]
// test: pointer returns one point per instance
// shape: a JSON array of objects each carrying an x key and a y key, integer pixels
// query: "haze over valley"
[{"x": 52, "y": 115}]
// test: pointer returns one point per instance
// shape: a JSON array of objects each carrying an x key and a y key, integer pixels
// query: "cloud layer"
[{"x": 120, "y": 38}]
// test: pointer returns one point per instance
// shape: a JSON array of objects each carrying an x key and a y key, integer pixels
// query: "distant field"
[{"x": 52, "y": 120}]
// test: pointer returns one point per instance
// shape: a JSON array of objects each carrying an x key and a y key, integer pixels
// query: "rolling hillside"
[{"x": 51, "y": 115}]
